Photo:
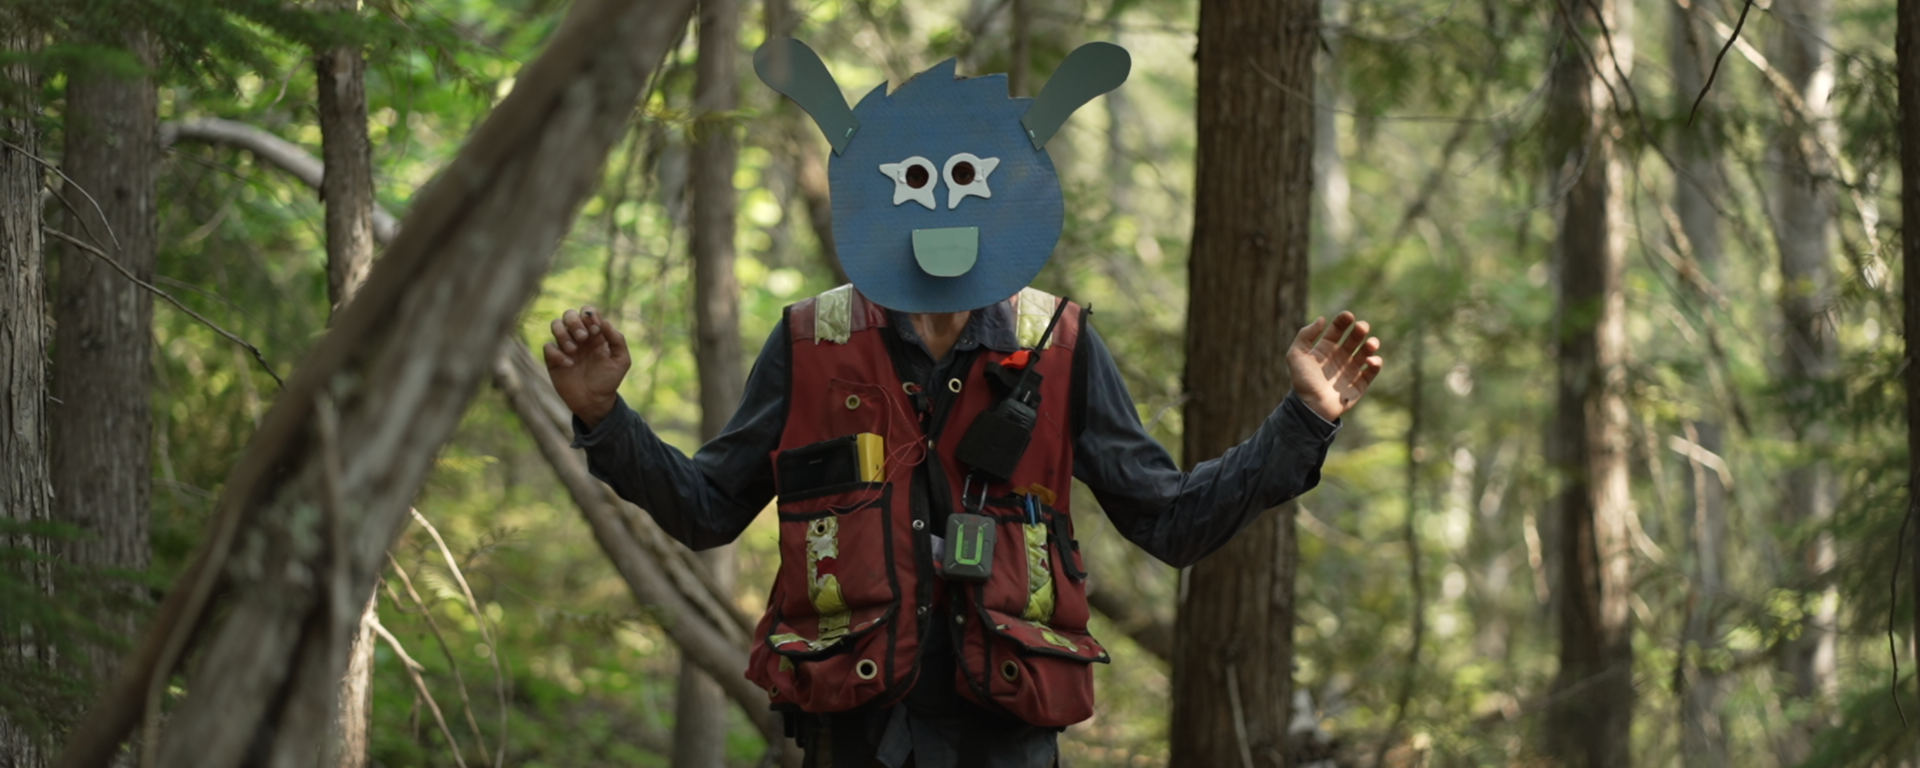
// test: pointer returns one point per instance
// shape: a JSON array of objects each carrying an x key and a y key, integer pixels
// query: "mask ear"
[
  {"x": 1089, "y": 71},
  {"x": 790, "y": 67}
]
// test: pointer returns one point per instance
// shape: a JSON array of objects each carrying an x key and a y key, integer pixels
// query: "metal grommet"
[
  {"x": 866, "y": 669},
  {"x": 773, "y": 692},
  {"x": 909, "y": 387},
  {"x": 853, "y": 401},
  {"x": 929, "y": 445},
  {"x": 953, "y": 385},
  {"x": 1009, "y": 670},
  {"x": 919, "y": 525},
  {"x": 818, "y": 528},
  {"x": 959, "y": 619},
  {"x": 922, "y": 610}
]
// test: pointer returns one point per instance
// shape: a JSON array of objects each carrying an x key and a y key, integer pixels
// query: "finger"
[
  {"x": 575, "y": 328},
  {"x": 1336, "y": 332},
  {"x": 591, "y": 318},
  {"x": 554, "y": 357},
  {"x": 1310, "y": 334},
  {"x": 1373, "y": 369},
  {"x": 1354, "y": 366},
  {"x": 561, "y": 336},
  {"x": 1356, "y": 337},
  {"x": 616, "y": 341},
  {"x": 1341, "y": 322}
]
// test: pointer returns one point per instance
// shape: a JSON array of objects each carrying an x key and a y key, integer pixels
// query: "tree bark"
[
  {"x": 1233, "y": 645},
  {"x": 663, "y": 575},
  {"x": 1589, "y": 722},
  {"x": 1697, "y": 186},
  {"x": 306, "y": 516},
  {"x": 347, "y": 188},
  {"x": 700, "y": 715},
  {"x": 1803, "y": 231},
  {"x": 26, "y": 491},
  {"x": 1907, "y": 61},
  {"x": 102, "y": 369}
]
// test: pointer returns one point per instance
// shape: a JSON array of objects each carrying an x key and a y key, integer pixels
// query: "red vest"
[{"x": 857, "y": 579}]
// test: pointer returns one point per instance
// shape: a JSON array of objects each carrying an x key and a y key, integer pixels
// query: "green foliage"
[{"x": 1439, "y": 125}]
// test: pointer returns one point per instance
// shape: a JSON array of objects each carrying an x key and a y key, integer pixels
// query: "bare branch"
[
  {"x": 102, "y": 255},
  {"x": 481, "y": 620},
  {"x": 278, "y": 152},
  {"x": 1737, "y": 26},
  {"x": 459, "y": 681},
  {"x": 419, "y": 687}
]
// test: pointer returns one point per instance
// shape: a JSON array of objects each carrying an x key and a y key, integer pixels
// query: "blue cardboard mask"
[{"x": 944, "y": 198}]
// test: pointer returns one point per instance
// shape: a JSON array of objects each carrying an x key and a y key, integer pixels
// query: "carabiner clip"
[{"x": 972, "y": 505}]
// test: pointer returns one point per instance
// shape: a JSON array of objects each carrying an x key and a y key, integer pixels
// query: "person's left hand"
[{"x": 1332, "y": 367}]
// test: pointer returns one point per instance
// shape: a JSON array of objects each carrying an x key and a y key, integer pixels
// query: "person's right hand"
[{"x": 587, "y": 359}]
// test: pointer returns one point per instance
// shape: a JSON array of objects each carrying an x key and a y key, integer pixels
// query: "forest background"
[{"x": 1754, "y": 394}]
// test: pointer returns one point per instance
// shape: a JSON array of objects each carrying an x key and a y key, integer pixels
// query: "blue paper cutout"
[{"x": 1013, "y": 201}]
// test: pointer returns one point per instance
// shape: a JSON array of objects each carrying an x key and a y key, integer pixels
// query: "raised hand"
[
  {"x": 1332, "y": 367},
  {"x": 587, "y": 359}
]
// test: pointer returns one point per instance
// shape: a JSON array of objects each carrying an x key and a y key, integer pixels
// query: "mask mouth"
[{"x": 947, "y": 251}]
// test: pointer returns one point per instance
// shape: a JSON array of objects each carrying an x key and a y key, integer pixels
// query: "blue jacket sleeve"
[
  {"x": 705, "y": 500},
  {"x": 1180, "y": 517}
]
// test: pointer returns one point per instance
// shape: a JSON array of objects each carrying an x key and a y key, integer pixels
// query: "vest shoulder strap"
[
  {"x": 833, "y": 316},
  {"x": 1032, "y": 310}
]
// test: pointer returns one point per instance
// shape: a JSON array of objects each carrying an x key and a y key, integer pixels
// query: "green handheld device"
[{"x": 969, "y": 555}]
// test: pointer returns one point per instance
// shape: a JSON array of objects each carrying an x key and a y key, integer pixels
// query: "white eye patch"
[
  {"x": 966, "y": 175},
  {"x": 912, "y": 180}
]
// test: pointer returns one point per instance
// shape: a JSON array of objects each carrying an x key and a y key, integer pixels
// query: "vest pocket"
[
  {"x": 1038, "y": 673},
  {"x": 827, "y": 641}
]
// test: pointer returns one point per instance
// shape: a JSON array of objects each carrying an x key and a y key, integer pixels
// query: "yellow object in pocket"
[{"x": 872, "y": 450}]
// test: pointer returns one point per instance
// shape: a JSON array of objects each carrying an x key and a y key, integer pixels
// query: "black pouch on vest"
[
  {"x": 969, "y": 555},
  {"x": 998, "y": 438}
]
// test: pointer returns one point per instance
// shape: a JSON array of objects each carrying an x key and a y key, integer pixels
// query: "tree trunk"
[
  {"x": 1589, "y": 723},
  {"x": 1233, "y": 646},
  {"x": 1332, "y": 191},
  {"x": 347, "y": 188},
  {"x": 700, "y": 713},
  {"x": 26, "y": 496},
  {"x": 1698, "y": 186},
  {"x": 306, "y": 516},
  {"x": 1907, "y": 53},
  {"x": 1803, "y": 231},
  {"x": 102, "y": 369}
]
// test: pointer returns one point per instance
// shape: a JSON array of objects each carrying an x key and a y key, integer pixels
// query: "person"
[{"x": 920, "y": 429}]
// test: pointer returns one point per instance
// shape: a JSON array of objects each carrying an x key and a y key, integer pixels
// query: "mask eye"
[
  {"x": 912, "y": 180},
  {"x": 966, "y": 175}
]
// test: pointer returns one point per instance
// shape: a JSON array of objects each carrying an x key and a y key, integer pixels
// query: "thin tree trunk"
[
  {"x": 1332, "y": 191},
  {"x": 700, "y": 714},
  {"x": 1592, "y": 715},
  {"x": 1233, "y": 646},
  {"x": 1803, "y": 230},
  {"x": 347, "y": 188},
  {"x": 1021, "y": 65},
  {"x": 102, "y": 369},
  {"x": 306, "y": 517},
  {"x": 1907, "y": 53},
  {"x": 1704, "y": 728},
  {"x": 26, "y": 491}
]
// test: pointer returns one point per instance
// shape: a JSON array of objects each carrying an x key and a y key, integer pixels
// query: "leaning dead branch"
[
  {"x": 627, "y": 534},
  {"x": 401, "y": 364}
]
